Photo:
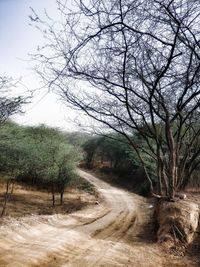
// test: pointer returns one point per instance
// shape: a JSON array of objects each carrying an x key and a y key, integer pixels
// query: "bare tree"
[
  {"x": 132, "y": 66},
  {"x": 9, "y": 105}
]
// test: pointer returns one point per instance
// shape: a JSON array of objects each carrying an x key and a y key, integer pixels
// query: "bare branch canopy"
[{"x": 133, "y": 66}]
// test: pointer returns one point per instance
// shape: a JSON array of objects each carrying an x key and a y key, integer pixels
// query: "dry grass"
[{"x": 25, "y": 201}]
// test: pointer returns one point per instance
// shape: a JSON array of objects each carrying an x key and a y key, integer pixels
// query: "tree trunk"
[
  {"x": 6, "y": 198},
  {"x": 172, "y": 175},
  {"x": 159, "y": 171},
  {"x": 172, "y": 168},
  {"x": 53, "y": 196},
  {"x": 12, "y": 188},
  {"x": 164, "y": 179},
  {"x": 61, "y": 198}
]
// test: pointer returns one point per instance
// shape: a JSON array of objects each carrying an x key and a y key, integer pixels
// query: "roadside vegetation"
[
  {"x": 39, "y": 158},
  {"x": 112, "y": 158},
  {"x": 115, "y": 158}
]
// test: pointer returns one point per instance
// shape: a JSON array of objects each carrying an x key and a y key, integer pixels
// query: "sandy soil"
[
  {"x": 26, "y": 201},
  {"x": 115, "y": 232}
]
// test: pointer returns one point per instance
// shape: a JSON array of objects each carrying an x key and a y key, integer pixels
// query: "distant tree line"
[{"x": 113, "y": 155}]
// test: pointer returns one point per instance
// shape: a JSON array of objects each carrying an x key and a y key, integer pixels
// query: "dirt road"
[{"x": 112, "y": 233}]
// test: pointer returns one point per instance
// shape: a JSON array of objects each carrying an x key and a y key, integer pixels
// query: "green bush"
[{"x": 38, "y": 156}]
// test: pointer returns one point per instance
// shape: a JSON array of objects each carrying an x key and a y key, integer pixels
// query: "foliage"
[
  {"x": 113, "y": 154},
  {"x": 82, "y": 184},
  {"x": 39, "y": 156}
]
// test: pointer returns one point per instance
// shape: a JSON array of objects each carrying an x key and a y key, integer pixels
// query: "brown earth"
[
  {"x": 26, "y": 201},
  {"x": 115, "y": 232}
]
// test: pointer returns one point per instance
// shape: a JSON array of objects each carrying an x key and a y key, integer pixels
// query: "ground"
[
  {"x": 33, "y": 202},
  {"x": 115, "y": 231}
]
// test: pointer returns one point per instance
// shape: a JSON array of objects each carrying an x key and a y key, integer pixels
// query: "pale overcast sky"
[{"x": 17, "y": 39}]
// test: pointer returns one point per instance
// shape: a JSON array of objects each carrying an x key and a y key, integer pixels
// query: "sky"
[{"x": 17, "y": 40}]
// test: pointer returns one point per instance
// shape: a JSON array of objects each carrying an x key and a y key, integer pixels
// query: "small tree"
[
  {"x": 90, "y": 147},
  {"x": 11, "y": 155},
  {"x": 52, "y": 160},
  {"x": 9, "y": 105},
  {"x": 39, "y": 156},
  {"x": 132, "y": 66}
]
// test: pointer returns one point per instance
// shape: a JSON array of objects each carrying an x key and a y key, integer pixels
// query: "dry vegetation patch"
[
  {"x": 29, "y": 201},
  {"x": 178, "y": 222}
]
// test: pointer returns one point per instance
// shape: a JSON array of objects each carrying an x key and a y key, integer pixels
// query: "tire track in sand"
[{"x": 91, "y": 237}]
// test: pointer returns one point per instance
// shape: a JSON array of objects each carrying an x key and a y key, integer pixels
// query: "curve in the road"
[{"x": 100, "y": 235}]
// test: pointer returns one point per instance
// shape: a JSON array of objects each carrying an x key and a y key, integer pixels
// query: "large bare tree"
[{"x": 133, "y": 66}]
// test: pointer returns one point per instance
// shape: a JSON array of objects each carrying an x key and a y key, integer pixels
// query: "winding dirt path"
[{"x": 109, "y": 234}]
